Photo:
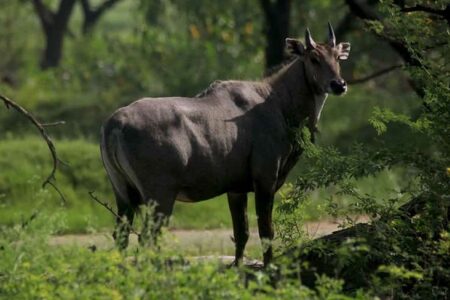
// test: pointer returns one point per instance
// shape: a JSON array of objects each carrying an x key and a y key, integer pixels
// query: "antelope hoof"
[{"x": 235, "y": 263}]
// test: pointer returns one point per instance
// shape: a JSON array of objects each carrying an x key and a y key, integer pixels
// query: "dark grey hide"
[{"x": 233, "y": 138}]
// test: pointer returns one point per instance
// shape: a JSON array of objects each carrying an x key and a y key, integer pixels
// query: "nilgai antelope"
[{"x": 233, "y": 138}]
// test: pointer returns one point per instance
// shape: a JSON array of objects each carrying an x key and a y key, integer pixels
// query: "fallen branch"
[
  {"x": 374, "y": 75},
  {"x": 51, "y": 177},
  {"x": 414, "y": 206}
]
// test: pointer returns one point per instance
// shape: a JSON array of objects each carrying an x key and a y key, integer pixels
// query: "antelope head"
[{"x": 321, "y": 61}]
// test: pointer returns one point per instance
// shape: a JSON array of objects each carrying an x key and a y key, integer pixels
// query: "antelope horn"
[
  {"x": 310, "y": 44},
  {"x": 331, "y": 36}
]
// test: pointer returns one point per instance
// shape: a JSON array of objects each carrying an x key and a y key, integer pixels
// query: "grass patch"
[{"x": 213, "y": 213}]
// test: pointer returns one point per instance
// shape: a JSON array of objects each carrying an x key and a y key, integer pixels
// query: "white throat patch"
[{"x": 319, "y": 101}]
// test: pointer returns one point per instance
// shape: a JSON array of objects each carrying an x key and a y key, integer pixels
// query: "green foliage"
[
  {"x": 31, "y": 269},
  {"x": 13, "y": 42},
  {"x": 202, "y": 45},
  {"x": 128, "y": 58},
  {"x": 400, "y": 254},
  {"x": 382, "y": 116},
  {"x": 26, "y": 163}
]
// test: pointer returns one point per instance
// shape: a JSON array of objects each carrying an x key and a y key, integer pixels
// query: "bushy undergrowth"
[{"x": 31, "y": 269}]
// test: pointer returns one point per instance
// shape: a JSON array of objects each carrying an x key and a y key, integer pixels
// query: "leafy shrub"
[
  {"x": 404, "y": 252},
  {"x": 31, "y": 269}
]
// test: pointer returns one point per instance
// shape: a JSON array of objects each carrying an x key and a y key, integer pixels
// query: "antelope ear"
[
  {"x": 343, "y": 50},
  {"x": 295, "y": 47}
]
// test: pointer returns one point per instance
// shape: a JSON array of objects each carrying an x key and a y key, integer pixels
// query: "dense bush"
[
  {"x": 404, "y": 252},
  {"x": 31, "y": 269}
]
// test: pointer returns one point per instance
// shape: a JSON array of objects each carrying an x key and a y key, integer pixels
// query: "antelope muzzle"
[{"x": 338, "y": 86}]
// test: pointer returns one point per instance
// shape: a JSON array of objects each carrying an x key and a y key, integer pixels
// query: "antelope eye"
[{"x": 314, "y": 60}]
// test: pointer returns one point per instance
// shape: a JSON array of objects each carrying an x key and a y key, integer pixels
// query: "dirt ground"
[{"x": 199, "y": 243}]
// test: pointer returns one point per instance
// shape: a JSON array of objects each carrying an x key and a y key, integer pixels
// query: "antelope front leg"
[
  {"x": 264, "y": 206},
  {"x": 238, "y": 209}
]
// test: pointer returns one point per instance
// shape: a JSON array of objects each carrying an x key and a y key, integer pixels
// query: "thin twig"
[
  {"x": 443, "y": 13},
  {"x": 374, "y": 75},
  {"x": 53, "y": 124},
  {"x": 104, "y": 204},
  {"x": 109, "y": 208},
  {"x": 27, "y": 222},
  {"x": 56, "y": 188},
  {"x": 48, "y": 181}
]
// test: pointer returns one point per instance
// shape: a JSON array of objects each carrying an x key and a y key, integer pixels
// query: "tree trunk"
[
  {"x": 53, "y": 48},
  {"x": 54, "y": 25},
  {"x": 277, "y": 21}
]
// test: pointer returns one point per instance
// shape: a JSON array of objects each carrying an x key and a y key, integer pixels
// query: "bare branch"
[
  {"x": 365, "y": 12},
  {"x": 109, "y": 208},
  {"x": 46, "y": 16},
  {"x": 64, "y": 11},
  {"x": 105, "y": 6},
  {"x": 374, "y": 75},
  {"x": 443, "y": 13},
  {"x": 91, "y": 16},
  {"x": 48, "y": 181}
]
